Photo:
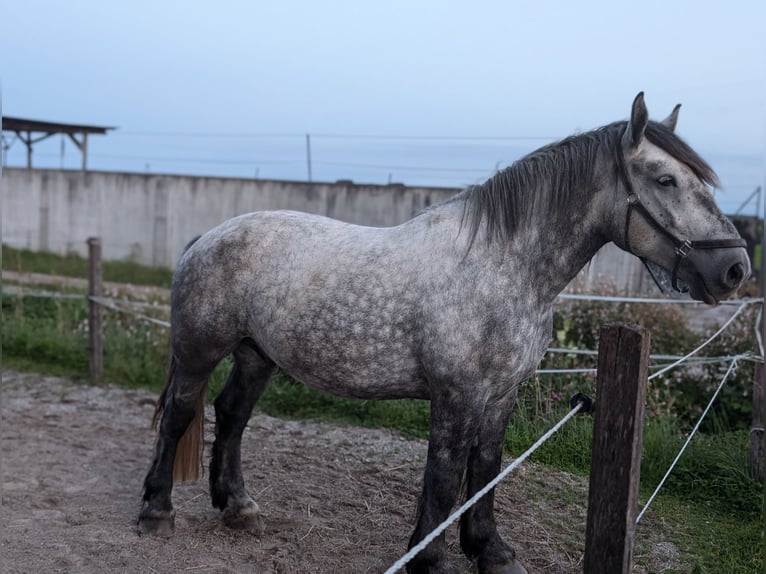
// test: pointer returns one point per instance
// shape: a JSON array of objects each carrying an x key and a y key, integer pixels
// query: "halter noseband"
[{"x": 683, "y": 247}]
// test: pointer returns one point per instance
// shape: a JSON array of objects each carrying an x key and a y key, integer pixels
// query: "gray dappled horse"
[{"x": 452, "y": 306}]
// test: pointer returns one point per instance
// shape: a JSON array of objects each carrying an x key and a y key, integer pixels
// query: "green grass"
[
  {"x": 24, "y": 260},
  {"x": 714, "y": 470},
  {"x": 709, "y": 539},
  {"x": 45, "y": 334},
  {"x": 285, "y": 398},
  {"x": 711, "y": 497},
  {"x": 51, "y": 335},
  {"x": 568, "y": 449}
]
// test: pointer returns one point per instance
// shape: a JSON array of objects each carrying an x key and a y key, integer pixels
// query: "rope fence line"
[
  {"x": 733, "y": 363},
  {"x": 38, "y": 293},
  {"x": 20, "y": 291},
  {"x": 476, "y": 497},
  {"x": 583, "y": 371},
  {"x": 703, "y": 345},
  {"x": 664, "y": 367},
  {"x": 10, "y": 290},
  {"x": 730, "y": 370},
  {"x": 714, "y": 360},
  {"x": 677, "y": 360},
  {"x": 590, "y": 353},
  {"x": 112, "y": 304},
  {"x": 657, "y": 300}
]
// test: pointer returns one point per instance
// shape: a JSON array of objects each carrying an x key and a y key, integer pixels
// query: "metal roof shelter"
[{"x": 32, "y": 131}]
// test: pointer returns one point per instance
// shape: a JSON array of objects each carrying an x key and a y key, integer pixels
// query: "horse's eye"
[{"x": 667, "y": 181}]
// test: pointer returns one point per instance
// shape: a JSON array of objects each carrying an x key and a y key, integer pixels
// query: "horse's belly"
[{"x": 353, "y": 374}]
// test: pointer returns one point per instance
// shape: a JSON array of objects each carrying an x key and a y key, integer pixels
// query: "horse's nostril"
[{"x": 735, "y": 275}]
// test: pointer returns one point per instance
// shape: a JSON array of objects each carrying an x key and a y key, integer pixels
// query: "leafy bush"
[{"x": 682, "y": 392}]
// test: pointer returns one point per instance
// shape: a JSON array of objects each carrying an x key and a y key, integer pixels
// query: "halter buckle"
[
  {"x": 684, "y": 249},
  {"x": 633, "y": 198}
]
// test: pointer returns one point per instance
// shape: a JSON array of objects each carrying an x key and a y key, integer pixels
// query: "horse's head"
[{"x": 667, "y": 215}]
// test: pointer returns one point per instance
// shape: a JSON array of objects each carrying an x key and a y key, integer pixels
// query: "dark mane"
[{"x": 512, "y": 196}]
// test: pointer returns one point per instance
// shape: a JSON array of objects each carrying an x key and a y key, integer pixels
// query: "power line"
[
  {"x": 187, "y": 159},
  {"x": 432, "y": 137},
  {"x": 402, "y": 167},
  {"x": 327, "y": 135},
  {"x": 257, "y": 161},
  {"x": 200, "y": 160},
  {"x": 209, "y": 134}
]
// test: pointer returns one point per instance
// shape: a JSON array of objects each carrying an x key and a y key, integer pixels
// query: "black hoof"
[
  {"x": 244, "y": 518},
  {"x": 512, "y": 567},
  {"x": 449, "y": 569},
  {"x": 156, "y": 523}
]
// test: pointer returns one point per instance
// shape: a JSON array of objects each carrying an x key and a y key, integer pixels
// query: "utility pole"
[
  {"x": 308, "y": 154},
  {"x": 759, "y": 397}
]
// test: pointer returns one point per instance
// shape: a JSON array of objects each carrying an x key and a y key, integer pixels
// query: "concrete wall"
[{"x": 150, "y": 218}]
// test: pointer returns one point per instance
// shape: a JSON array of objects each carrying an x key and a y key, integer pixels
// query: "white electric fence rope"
[
  {"x": 757, "y": 329},
  {"x": 591, "y": 371},
  {"x": 710, "y": 360},
  {"x": 111, "y": 304},
  {"x": 705, "y": 344},
  {"x": 663, "y": 366},
  {"x": 731, "y": 369},
  {"x": 658, "y": 300},
  {"x": 37, "y": 293},
  {"x": 475, "y": 498},
  {"x": 590, "y": 353}
]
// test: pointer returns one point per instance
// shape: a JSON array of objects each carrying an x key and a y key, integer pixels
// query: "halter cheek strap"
[{"x": 683, "y": 247}]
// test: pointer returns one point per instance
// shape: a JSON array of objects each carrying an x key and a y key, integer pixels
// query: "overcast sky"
[{"x": 434, "y": 92}]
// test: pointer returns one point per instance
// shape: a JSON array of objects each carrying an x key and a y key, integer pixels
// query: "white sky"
[{"x": 231, "y": 87}]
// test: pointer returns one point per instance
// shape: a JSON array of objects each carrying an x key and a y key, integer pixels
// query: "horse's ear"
[
  {"x": 637, "y": 124},
  {"x": 670, "y": 121}
]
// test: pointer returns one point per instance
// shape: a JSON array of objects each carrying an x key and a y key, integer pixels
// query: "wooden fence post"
[
  {"x": 756, "y": 428},
  {"x": 623, "y": 357},
  {"x": 95, "y": 312}
]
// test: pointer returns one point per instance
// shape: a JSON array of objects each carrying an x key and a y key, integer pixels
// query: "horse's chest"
[
  {"x": 530, "y": 342},
  {"x": 499, "y": 347}
]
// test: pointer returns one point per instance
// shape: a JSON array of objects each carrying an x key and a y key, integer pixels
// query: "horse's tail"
[
  {"x": 187, "y": 464},
  {"x": 188, "y": 461}
]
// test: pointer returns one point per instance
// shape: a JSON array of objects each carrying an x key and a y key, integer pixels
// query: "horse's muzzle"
[{"x": 716, "y": 274}]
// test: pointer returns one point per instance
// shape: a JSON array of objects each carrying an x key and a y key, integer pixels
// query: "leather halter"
[{"x": 683, "y": 247}]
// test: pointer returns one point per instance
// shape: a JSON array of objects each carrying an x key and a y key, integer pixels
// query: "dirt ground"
[{"x": 336, "y": 500}]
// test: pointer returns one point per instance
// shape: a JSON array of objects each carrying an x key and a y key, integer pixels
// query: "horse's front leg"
[
  {"x": 453, "y": 426},
  {"x": 479, "y": 538}
]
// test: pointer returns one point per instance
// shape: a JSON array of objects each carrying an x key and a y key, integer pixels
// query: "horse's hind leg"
[
  {"x": 233, "y": 407},
  {"x": 180, "y": 404},
  {"x": 479, "y": 538}
]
